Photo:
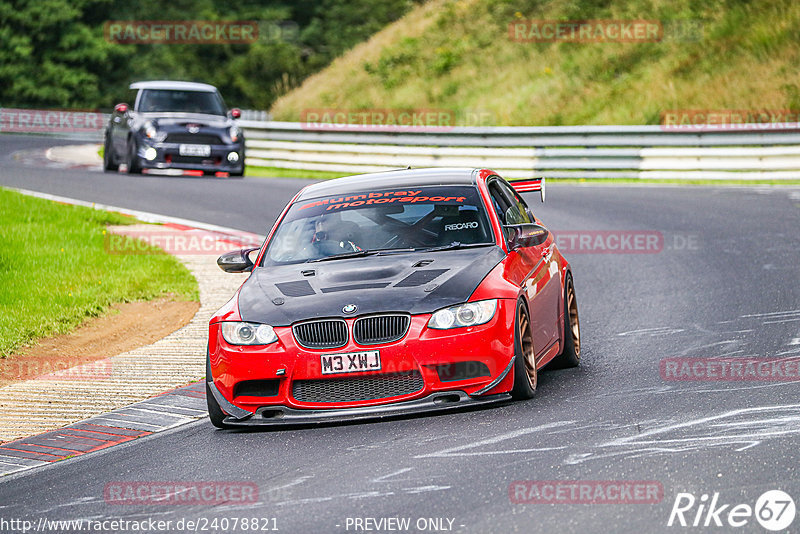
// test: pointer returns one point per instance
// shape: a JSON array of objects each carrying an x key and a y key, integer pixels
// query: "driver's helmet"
[{"x": 325, "y": 226}]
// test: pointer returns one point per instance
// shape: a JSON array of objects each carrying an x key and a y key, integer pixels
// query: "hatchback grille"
[
  {"x": 195, "y": 139},
  {"x": 380, "y": 329},
  {"x": 195, "y": 160},
  {"x": 328, "y": 334},
  {"x": 357, "y": 388}
]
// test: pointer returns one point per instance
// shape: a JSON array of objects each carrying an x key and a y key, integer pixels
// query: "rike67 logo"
[{"x": 774, "y": 510}]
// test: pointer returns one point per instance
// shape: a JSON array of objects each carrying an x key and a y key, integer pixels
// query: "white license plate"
[
  {"x": 195, "y": 150},
  {"x": 352, "y": 362}
]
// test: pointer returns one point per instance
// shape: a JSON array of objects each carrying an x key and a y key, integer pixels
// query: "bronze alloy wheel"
[
  {"x": 571, "y": 342},
  {"x": 526, "y": 343},
  {"x": 574, "y": 321}
]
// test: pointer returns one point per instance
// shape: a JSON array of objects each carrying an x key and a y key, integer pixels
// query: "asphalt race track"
[{"x": 723, "y": 281}]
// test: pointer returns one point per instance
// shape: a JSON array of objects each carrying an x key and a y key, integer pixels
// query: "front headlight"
[
  {"x": 469, "y": 314},
  {"x": 149, "y": 130},
  {"x": 234, "y": 133},
  {"x": 241, "y": 333}
]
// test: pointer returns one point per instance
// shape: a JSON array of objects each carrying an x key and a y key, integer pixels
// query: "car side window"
[
  {"x": 519, "y": 205},
  {"x": 510, "y": 207},
  {"x": 499, "y": 202}
]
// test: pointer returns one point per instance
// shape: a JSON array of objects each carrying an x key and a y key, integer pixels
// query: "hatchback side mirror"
[
  {"x": 237, "y": 261},
  {"x": 121, "y": 108},
  {"x": 525, "y": 235},
  {"x": 236, "y": 113}
]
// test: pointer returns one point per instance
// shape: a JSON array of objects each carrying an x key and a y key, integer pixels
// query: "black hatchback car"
[{"x": 174, "y": 125}]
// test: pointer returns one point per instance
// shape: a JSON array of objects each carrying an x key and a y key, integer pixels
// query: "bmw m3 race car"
[{"x": 394, "y": 292}]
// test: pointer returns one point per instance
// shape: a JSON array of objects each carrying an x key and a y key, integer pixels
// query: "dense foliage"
[{"x": 54, "y": 53}]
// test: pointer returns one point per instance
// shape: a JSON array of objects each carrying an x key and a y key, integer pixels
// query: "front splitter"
[{"x": 436, "y": 402}]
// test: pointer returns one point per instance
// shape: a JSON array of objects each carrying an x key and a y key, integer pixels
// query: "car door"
[
  {"x": 118, "y": 132},
  {"x": 533, "y": 267},
  {"x": 120, "y": 126}
]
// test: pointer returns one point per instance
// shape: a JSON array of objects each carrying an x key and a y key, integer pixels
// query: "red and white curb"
[{"x": 169, "y": 410}]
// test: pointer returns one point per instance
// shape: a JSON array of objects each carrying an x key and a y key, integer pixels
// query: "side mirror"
[
  {"x": 237, "y": 261},
  {"x": 121, "y": 108},
  {"x": 525, "y": 235},
  {"x": 236, "y": 113}
]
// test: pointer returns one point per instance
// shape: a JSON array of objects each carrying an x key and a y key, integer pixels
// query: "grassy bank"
[
  {"x": 458, "y": 56},
  {"x": 55, "y": 271}
]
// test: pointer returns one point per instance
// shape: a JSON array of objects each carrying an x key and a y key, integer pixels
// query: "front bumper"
[
  {"x": 168, "y": 157},
  {"x": 283, "y": 415},
  {"x": 422, "y": 351}
]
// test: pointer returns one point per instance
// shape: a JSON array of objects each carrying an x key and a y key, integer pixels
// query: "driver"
[{"x": 331, "y": 230}]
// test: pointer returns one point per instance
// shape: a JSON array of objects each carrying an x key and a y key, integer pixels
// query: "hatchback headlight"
[
  {"x": 234, "y": 132},
  {"x": 241, "y": 333},
  {"x": 469, "y": 314}
]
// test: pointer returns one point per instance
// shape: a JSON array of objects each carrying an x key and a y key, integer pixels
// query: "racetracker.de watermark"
[
  {"x": 730, "y": 369},
  {"x": 609, "y": 241},
  {"x": 180, "y": 493},
  {"x": 623, "y": 241},
  {"x": 137, "y": 240},
  {"x": 378, "y": 119},
  {"x": 49, "y": 121},
  {"x": 585, "y": 31},
  {"x": 715, "y": 120},
  {"x": 586, "y": 492},
  {"x": 181, "y": 31},
  {"x": 56, "y": 369},
  {"x": 605, "y": 31}
]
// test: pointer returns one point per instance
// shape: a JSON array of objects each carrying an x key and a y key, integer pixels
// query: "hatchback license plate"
[
  {"x": 353, "y": 362},
  {"x": 195, "y": 150}
]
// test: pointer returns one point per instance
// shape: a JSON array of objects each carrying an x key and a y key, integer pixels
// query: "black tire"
[
  {"x": 134, "y": 165},
  {"x": 215, "y": 413},
  {"x": 525, "y": 372},
  {"x": 571, "y": 354},
  {"x": 109, "y": 161}
]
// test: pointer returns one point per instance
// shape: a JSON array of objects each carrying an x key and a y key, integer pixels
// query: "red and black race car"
[{"x": 394, "y": 292}]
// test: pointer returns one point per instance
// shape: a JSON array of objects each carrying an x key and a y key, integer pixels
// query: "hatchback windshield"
[
  {"x": 181, "y": 101},
  {"x": 418, "y": 218}
]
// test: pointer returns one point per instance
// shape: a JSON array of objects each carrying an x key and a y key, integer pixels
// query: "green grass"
[
  {"x": 276, "y": 172},
  {"x": 457, "y": 55},
  {"x": 55, "y": 271}
]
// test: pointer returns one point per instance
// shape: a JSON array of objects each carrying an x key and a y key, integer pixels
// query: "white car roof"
[{"x": 176, "y": 86}]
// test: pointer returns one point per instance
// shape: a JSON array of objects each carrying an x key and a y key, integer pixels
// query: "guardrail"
[
  {"x": 748, "y": 151},
  {"x": 756, "y": 151}
]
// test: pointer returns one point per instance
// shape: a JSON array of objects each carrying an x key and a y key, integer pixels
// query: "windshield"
[
  {"x": 181, "y": 101},
  {"x": 386, "y": 221}
]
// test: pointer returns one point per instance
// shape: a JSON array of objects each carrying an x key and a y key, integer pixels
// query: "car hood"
[
  {"x": 412, "y": 283},
  {"x": 180, "y": 119}
]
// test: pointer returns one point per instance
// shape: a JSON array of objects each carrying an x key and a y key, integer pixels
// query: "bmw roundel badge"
[{"x": 350, "y": 308}]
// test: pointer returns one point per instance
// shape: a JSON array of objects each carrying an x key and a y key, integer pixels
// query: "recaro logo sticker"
[{"x": 460, "y": 226}]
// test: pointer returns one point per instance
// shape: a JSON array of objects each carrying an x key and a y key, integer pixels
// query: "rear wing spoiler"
[{"x": 531, "y": 184}]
